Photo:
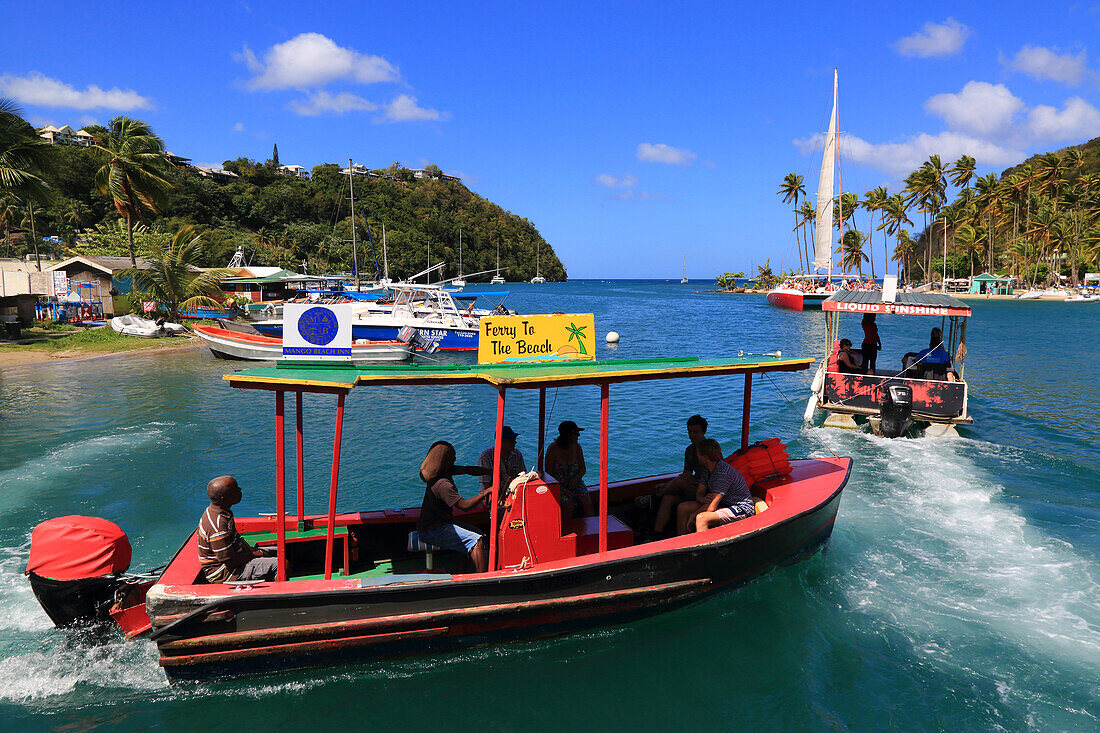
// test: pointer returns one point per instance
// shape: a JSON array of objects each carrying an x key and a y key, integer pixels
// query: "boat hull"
[
  {"x": 448, "y": 339},
  {"x": 226, "y": 344},
  {"x": 257, "y": 631},
  {"x": 796, "y": 299}
]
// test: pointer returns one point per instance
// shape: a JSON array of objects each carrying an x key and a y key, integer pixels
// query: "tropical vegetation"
[
  {"x": 126, "y": 184},
  {"x": 1036, "y": 221},
  {"x": 170, "y": 276}
]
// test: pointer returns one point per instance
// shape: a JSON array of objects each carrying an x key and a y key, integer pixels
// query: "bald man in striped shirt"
[{"x": 223, "y": 553}]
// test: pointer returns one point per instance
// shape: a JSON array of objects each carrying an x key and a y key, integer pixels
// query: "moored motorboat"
[
  {"x": 226, "y": 344},
  {"x": 131, "y": 325},
  {"x": 354, "y": 585}
]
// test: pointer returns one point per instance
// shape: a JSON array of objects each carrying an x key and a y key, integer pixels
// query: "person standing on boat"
[
  {"x": 511, "y": 460},
  {"x": 564, "y": 462},
  {"x": 686, "y": 485},
  {"x": 436, "y": 525},
  {"x": 871, "y": 343},
  {"x": 726, "y": 496},
  {"x": 223, "y": 553}
]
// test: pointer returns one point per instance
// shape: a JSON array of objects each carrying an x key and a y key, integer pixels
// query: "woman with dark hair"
[
  {"x": 847, "y": 362},
  {"x": 871, "y": 343},
  {"x": 436, "y": 525},
  {"x": 564, "y": 462}
]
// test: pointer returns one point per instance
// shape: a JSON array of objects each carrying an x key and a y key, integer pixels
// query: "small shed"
[{"x": 986, "y": 284}]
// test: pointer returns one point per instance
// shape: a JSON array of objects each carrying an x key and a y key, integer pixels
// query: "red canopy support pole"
[
  {"x": 542, "y": 425},
  {"x": 745, "y": 411},
  {"x": 604, "y": 394},
  {"x": 496, "y": 481},
  {"x": 298, "y": 456},
  {"x": 330, "y": 536},
  {"x": 280, "y": 486}
]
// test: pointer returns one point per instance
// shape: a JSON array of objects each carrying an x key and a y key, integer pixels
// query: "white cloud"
[
  {"x": 239, "y": 127},
  {"x": 980, "y": 108},
  {"x": 610, "y": 181},
  {"x": 312, "y": 60},
  {"x": 1044, "y": 63},
  {"x": 320, "y": 102},
  {"x": 88, "y": 120},
  {"x": 903, "y": 157},
  {"x": 42, "y": 91},
  {"x": 661, "y": 153},
  {"x": 936, "y": 39},
  {"x": 1077, "y": 121},
  {"x": 404, "y": 109}
]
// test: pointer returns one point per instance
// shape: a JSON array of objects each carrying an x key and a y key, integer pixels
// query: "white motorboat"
[
  {"x": 226, "y": 344},
  {"x": 1083, "y": 298},
  {"x": 1030, "y": 295},
  {"x": 174, "y": 329},
  {"x": 131, "y": 325}
]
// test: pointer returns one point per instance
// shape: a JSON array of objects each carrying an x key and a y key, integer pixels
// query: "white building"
[
  {"x": 219, "y": 174},
  {"x": 66, "y": 136},
  {"x": 294, "y": 170}
]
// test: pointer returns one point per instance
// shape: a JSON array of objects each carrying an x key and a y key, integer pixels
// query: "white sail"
[{"x": 823, "y": 239}]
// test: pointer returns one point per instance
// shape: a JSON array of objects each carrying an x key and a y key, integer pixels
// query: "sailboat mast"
[
  {"x": 823, "y": 214},
  {"x": 839, "y": 182},
  {"x": 354, "y": 249},
  {"x": 385, "y": 257},
  {"x": 460, "y": 251}
]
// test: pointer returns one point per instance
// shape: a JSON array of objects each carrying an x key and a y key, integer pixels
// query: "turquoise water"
[{"x": 961, "y": 587}]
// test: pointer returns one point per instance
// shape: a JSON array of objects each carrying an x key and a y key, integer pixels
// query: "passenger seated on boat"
[
  {"x": 724, "y": 498},
  {"x": 511, "y": 460},
  {"x": 847, "y": 361},
  {"x": 223, "y": 553},
  {"x": 686, "y": 485},
  {"x": 436, "y": 525},
  {"x": 934, "y": 362},
  {"x": 564, "y": 462}
]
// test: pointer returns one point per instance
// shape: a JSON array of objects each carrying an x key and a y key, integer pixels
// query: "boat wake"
[{"x": 933, "y": 548}]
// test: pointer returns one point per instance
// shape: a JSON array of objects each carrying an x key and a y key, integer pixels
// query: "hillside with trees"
[
  {"x": 280, "y": 220},
  {"x": 1034, "y": 220}
]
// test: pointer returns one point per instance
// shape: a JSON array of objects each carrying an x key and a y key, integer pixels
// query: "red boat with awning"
[{"x": 349, "y": 586}]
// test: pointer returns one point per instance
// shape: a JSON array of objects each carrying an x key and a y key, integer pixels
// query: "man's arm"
[
  {"x": 471, "y": 471},
  {"x": 710, "y": 502},
  {"x": 473, "y": 501}
]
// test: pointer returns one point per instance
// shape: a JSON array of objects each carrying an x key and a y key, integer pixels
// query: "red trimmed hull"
[
  {"x": 796, "y": 299},
  {"x": 208, "y": 631}
]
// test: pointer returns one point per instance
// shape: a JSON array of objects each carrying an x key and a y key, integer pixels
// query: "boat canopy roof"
[
  {"x": 905, "y": 304},
  {"x": 472, "y": 294},
  {"x": 339, "y": 377}
]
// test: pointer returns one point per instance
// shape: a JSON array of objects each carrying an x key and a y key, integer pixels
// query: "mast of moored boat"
[
  {"x": 354, "y": 250},
  {"x": 385, "y": 257}
]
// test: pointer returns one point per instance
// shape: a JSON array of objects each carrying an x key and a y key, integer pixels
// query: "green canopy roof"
[{"x": 338, "y": 376}]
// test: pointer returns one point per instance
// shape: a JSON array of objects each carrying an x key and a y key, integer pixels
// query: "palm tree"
[
  {"x": 792, "y": 189},
  {"x": 806, "y": 219},
  {"x": 133, "y": 174},
  {"x": 969, "y": 239},
  {"x": 23, "y": 156},
  {"x": 904, "y": 248},
  {"x": 893, "y": 218},
  {"x": 873, "y": 201},
  {"x": 171, "y": 276},
  {"x": 10, "y": 213},
  {"x": 851, "y": 251},
  {"x": 963, "y": 171}
]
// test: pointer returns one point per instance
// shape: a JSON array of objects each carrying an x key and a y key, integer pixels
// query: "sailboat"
[
  {"x": 497, "y": 279},
  {"x": 460, "y": 281},
  {"x": 684, "y": 279},
  {"x": 537, "y": 279},
  {"x": 807, "y": 292}
]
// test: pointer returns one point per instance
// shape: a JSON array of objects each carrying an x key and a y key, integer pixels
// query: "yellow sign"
[{"x": 558, "y": 337}]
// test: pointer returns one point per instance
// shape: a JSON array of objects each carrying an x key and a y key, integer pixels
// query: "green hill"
[{"x": 281, "y": 220}]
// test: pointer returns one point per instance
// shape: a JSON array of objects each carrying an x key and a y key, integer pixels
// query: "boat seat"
[{"x": 415, "y": 544}]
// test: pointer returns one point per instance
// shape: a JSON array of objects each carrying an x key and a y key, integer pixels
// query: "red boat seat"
[{"x": 532, "y": 531}]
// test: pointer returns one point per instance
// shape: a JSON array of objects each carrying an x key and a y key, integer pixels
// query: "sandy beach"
[{"x": 11, "y": 357}]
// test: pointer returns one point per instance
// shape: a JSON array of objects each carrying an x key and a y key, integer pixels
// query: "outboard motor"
[
  {"x": 897, "y": 410},
  {"x": 74, "y": 567},
  {"x": 410, "y": 335}
]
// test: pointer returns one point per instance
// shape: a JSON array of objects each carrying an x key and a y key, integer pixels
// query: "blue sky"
[{"x": 632, "y": 135}]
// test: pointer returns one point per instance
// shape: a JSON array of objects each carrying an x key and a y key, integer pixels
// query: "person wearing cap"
[
  {"x": 223, "y": 553},
  {"x": 564, "y": 462},
  {"x": 511, "y": 460},
  {"x": 436, "y": 525}
]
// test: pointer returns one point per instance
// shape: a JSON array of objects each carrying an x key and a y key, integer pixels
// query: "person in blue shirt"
[{"x": 935, "y": 358}]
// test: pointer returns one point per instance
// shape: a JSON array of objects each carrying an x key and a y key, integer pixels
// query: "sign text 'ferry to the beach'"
[{"x": 555, "y": 337}]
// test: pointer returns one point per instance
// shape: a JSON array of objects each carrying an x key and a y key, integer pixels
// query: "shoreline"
[{"x": 15, "y": 359}]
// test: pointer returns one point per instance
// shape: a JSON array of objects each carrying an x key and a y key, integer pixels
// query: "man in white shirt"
[{"x": 511, "y": 460}]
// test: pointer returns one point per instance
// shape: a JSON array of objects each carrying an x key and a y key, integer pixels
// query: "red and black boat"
[{"x": 354, "y": 585}]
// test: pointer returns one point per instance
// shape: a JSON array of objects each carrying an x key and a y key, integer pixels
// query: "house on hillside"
[
  {"x": 217, "y": 174},
  {"x": 66, "y": 135},
  {"x": 294, "y": 170}
]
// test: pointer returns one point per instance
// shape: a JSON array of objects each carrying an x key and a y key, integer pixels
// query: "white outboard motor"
[
  {"x": 897, "y": 410},
  {"x": 75, "y": 567}
]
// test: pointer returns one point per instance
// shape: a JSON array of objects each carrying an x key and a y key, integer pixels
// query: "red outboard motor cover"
[{"x": 75, "y": 547}]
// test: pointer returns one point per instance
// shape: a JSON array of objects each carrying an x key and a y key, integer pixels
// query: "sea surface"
[{"x": 960, "y": 589}]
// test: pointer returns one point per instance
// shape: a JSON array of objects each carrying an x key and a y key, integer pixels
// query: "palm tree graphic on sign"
[{"x": 577, "y": 332}]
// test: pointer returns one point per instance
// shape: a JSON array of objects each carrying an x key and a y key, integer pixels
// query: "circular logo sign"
[{"x": 318, "y": 326}]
